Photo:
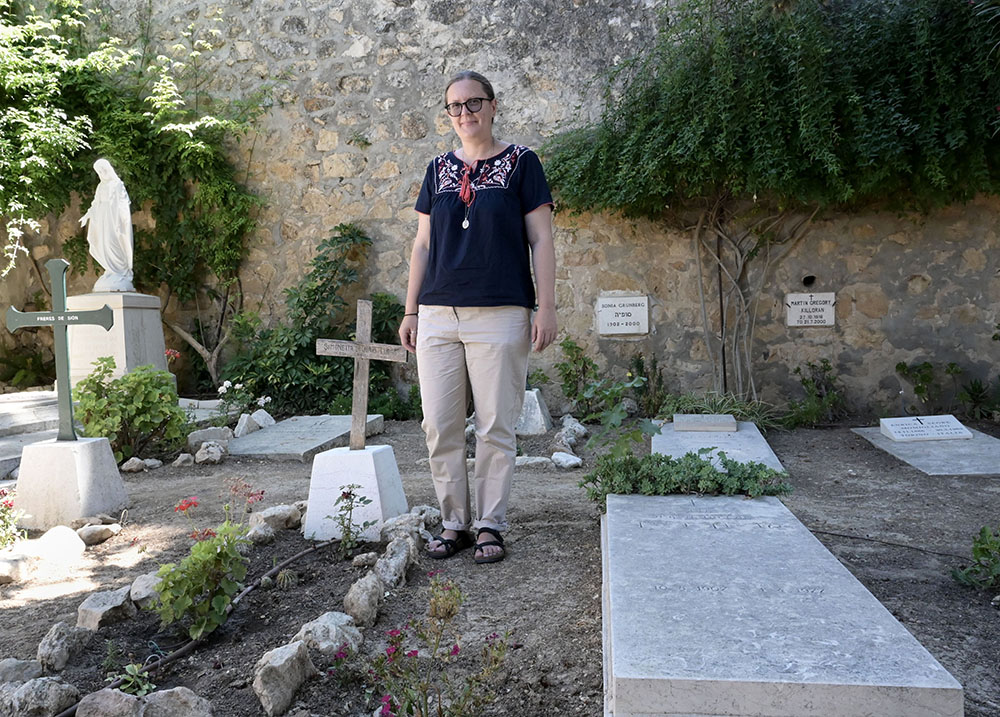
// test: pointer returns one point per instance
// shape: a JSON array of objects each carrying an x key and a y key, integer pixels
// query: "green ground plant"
[
  {"x": 199, "y": 590},
  {"x": 984, "y": 571},
  {"x": 657, "y": 474},
  {"x": 927, "y": 384},
  {"x": 22, "y": 367},
  {"x": 824, "y": 401},
  {"x": 979, "y": 400},
  {"x": 577, "y": 372},
  {"x": 350, "y": 532},
  {"x": 415, "y": 673},
  {"x": 652, "y": 393},
  {"x": 134, "y": 679},
  {"x": 136, "y": 412}
]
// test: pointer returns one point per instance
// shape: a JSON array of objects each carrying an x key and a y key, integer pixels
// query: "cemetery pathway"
[{"x": 893, "y": 527}]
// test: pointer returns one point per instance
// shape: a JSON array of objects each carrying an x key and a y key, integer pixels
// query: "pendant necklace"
[{"x": 466, "y": 193}]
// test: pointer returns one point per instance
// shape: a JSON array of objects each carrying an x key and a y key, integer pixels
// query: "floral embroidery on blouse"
[{"x": 495, "y": 174}]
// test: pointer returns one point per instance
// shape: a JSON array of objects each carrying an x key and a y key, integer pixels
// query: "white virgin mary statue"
[{"x": 109, "y": 233}]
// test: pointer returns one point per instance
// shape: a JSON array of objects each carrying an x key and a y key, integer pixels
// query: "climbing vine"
[
  {"x": 68, "y": 101},
  {"x": 746, "y": 117}
]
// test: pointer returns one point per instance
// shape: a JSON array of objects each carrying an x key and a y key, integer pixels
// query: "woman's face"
[{"x": 475, "y": 126}]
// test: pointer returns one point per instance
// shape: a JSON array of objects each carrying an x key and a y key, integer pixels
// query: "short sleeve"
[
  {"x": 424, "y": 199},
  {"x": 533, "y": 190}
]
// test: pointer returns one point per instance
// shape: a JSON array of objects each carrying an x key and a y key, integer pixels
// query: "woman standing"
[{"x": 484, "y": 222}]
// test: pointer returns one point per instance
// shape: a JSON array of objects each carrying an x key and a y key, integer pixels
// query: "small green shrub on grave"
[
  {"x": 657, "y": 474},
  {"x": 22, "y": 367},
  {"x": 577, "y": 372},
  {"x": 824, "y": 402},
  {"x": 984, "y": 572},
  {"x": 928, "y": 386},
  {"x": 652, "y": 393},
  {"x": 137, "y": 412},
  {"x": 134, "y": 679},
  {"x": 979, "y": 400}
]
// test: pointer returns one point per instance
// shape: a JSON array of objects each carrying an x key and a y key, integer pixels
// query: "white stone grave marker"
[
  {"x": 373, "y": 468},
  {"x": 923, "y": 428},
  {"x": 707, "y": 422},
  {"x": 622, "y": 315},
  {"x": 810, "y": 309},
  {"x": 729, "y": 606}
]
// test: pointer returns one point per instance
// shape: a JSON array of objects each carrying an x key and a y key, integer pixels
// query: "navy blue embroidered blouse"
[{"x": 487, "y": 264}]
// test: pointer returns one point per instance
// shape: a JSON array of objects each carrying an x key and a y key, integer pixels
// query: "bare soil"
[{"x": 899, "y": 531}]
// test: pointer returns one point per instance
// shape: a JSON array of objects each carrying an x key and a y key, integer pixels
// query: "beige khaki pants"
[{"x": 483, "y": 350}]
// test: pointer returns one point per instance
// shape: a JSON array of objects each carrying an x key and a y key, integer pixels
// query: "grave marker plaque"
[
  {"x": 810, "y": 309},
  {"x": 622, "y": 315},
  {"x": 923, "y": 428}
]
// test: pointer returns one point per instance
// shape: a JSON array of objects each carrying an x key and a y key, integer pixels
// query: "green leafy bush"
[
  {"x": 201, "y": 587},
  {"x": 137, "y": 412},
  {"x": 823, "y": 403},
  {"x": 577, "y": 372},
  {"x": 759, "y": 412},
  {"x": 657, "y": 474},
  {"x": 23, "y": 367},
  {"x": 984, "y": 572},
  {"x": 281, "y": 362}
]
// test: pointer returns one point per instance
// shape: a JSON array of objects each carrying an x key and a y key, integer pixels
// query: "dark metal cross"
[
  {"x": 362, "y": 351},
  {"x": 60, "y": 319}
]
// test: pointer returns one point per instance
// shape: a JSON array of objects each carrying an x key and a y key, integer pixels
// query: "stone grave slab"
[
  {"x": 745, "y": 444},
  {"x": 728, "y": 606},
  {"x": 980, "y": 455},
  {"x": 923, "y": 428},
  {"x": 374, "y": 469},
  {"x": 11, "y": 447},
  {"x": 300, "y": 438},
  {"x": 28, "y": 412},
  {"x": 706, "y": 422}
]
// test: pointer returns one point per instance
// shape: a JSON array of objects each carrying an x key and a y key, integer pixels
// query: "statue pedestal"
[
  {"x": 61, "y": 481},
  {"x": 136, "y": 339}
]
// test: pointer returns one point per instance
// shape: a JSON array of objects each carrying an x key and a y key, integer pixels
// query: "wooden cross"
[
  {"x": 60, "y": 319},
  {"x": 362, "y": 350}
]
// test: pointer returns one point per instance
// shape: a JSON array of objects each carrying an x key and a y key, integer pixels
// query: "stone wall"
[{"x": 357, "y": 116}]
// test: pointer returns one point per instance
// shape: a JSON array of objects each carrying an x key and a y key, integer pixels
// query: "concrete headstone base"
[
  {"x": 374, "y": 469},
  {"x": 61, "y": 481},
  {"x": 135, "y": 339}
]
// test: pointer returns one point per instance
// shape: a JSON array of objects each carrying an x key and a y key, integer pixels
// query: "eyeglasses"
[{"x": 473, "y": 104}]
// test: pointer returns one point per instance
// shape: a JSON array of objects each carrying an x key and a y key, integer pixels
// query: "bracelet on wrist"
[{"x": 413, "y": 314}]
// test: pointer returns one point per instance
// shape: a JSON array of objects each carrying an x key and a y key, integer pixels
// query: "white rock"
[
  {"x": 279, "y": 517},
  {"x": 279, "y": 673},
  {"x": 399, "y": 555},
  {"x": 177, "y": 702},
  {"x": 566, "y": 461},
  {"x": 215, "y": 434},
  {"x": 132, "y": 465},
  {"x": 245, "y": 426},
  {"x": 43, "y": 696},
  {"x": 60, "y": 544},
  {"x": 183, "y": 460},
  {"x": 16, "y": 567},
  {"x": 533, "y": 462},
  {"x": 262, "y": 418},
  {"x": 407, "y": 524},
  {"x": 143, "y": 589},
  {"x": 105, "y": 608},
  {"x": 12, "y": 670},
  {"x": 363, "y": 599},
  {"x": 329, "y": 632},
  {"x": 83, "y": 522},
  {"x": 574, "y": 426},
  {"x": 429, "y": 513},
  {"x": 95, "y": 534},
  {"x": 261, "y": 534},
  {"x": 364, "y": 560},
  {"x": 152, "y": 463},
  {"x": 109, "y": 703},
  {"x": 210, "y": 452},
  {"x": 61, "y": 643}
]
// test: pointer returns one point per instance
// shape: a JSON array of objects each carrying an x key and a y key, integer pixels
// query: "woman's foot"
[
  {"x": 448, "y": 543},
  {"x": 489, "y": 546}
]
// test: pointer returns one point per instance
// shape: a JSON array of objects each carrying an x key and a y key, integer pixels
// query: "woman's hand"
[
  {"x": 543, "y": 328},
  {"x": 408, "y": 333}
]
